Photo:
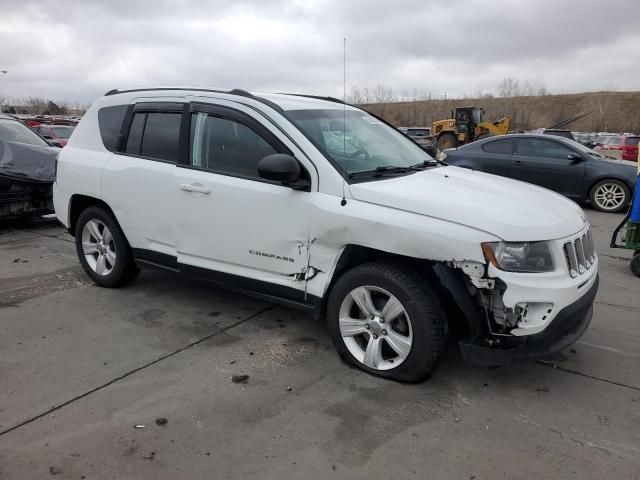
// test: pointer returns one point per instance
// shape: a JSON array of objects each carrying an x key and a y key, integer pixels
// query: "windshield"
[
  {"x": 362, "y": 144},
  {"x": 62, "y": 132},
  {"x": 578, "y": 146},
  {"x": 14, "y": 131}
]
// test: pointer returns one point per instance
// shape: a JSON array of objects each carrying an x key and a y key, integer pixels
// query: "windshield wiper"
[{"x": 380, "y": 171}]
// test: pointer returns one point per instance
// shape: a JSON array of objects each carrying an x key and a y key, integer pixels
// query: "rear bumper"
[{"x": 567, "y": 327}]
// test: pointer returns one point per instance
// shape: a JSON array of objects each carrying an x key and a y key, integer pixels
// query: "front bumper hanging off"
[{"x": 567, "y": 327}]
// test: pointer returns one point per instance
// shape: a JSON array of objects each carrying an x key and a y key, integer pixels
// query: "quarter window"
[
  {"x": 502, "y": 146},
  {"x": 110, "y": 122},
  {"x": 226, "y": 146},
  {"x": 537, "y": 147}
]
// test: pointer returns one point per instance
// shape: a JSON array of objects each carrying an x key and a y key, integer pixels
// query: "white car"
[{"x": 322, "y": 206}]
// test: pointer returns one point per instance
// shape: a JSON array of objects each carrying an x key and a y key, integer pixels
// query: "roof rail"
[
  {"x": 235, "y": 91},
  {"x": 317, "y": 97}
]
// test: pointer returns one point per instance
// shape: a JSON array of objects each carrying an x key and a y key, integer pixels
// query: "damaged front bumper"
[{"x": 567, "y": 326}]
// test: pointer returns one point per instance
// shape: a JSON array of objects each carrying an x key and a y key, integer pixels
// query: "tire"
[
  {"x": 410, "y": 345},
  {"x": 635, "y": 264},
  {"x": 609, "y": 196},
  {"x": 447, "y": 140},
  {"x": 103, "y": 250}
]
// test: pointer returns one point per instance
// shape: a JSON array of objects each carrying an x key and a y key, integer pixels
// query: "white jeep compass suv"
[{"x": 320, "y": 205}]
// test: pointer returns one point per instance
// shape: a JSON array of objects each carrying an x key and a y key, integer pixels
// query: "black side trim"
[
  {"x": 255, "y": 288},
  {"x": 155, "y": 259}
]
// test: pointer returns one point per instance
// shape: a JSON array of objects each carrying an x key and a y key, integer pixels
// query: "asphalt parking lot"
[{"x": 82, "y": 366}]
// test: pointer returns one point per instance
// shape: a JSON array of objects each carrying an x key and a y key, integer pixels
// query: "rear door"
[
  {"x": 545, "y": 162},
  {"x": 137, "y": 180}
]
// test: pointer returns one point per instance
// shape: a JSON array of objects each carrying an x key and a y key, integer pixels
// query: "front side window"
[
  {"x": 14, "y": 131},
  {"x": 356, "y": 141},
  {"x": 226, "y": 146},
  {"x": 155, "y": 135},
  {"x": 537, "y": 147}
]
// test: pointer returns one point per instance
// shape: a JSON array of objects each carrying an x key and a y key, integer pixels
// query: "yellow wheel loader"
[{"x": 467, "y": 125}]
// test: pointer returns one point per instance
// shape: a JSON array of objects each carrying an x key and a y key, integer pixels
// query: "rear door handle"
[
  {"x": 195, "y": 187},
  {"x": 518, "y": 162}
]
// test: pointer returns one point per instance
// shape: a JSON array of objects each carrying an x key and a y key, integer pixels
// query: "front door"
[
  {"x": 545, "y": 162},
  {"x": 231, "y": 225}
]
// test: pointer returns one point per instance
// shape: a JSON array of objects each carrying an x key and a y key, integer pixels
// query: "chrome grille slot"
[
  {"x": 580, "y": 254},
  {"x": 570, "y": 257}
]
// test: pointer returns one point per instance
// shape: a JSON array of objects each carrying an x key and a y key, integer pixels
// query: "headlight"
[{"x": 532, "y": 257}]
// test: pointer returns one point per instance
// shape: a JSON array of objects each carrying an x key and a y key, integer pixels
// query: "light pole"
[{"x": 3, "y": 72}]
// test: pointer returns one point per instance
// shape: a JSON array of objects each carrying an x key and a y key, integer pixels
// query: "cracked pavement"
[{"x": 81, "y": 366}]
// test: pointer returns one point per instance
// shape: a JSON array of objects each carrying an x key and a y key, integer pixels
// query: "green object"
[{"x": 632, "y": 239}]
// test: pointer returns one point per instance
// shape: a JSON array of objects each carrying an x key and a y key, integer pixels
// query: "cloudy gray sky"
[{"x": 75, "y": 50}]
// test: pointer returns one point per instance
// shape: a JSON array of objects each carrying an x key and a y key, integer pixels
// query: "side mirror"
[
  {"x": 282, "y": 168},
  {"x": 575, "y": 157}
]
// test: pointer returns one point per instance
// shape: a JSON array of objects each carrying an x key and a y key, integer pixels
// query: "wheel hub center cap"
[{"x": 376, "y": 326}]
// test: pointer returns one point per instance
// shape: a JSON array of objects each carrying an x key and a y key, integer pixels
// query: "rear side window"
[
  {"x": 155, "y": 135},
  {"x": 110, "y": 122},
  {"x": 503, "y": 146},
  {"x": 632, "y": 141}
]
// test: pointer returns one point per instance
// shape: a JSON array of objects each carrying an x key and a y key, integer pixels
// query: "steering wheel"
[{"x": 357, "y": 153}]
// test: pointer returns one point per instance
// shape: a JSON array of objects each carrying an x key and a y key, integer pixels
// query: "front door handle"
[
  {"x": 195, "y": 187},
  {"x": 518, "y": 162}
]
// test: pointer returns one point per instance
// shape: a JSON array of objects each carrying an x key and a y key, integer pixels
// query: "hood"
[
  {"x": 28, "y": 162},
  {"x": 508, "y": 209}
]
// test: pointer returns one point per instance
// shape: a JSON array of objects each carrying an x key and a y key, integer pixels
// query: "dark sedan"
[{"x": 556, "y": 163}]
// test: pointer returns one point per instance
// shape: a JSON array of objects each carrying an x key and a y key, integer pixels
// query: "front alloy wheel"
[
  {"x": 385, "y": 319},
  {"x": 375, "y": 327}
]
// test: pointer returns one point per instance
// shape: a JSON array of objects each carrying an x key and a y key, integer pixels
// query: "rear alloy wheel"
[
  {"x": 386, "y": 320},
  {"x": 447, "y": 140},
  {"x": 609, "y": 196},
  {"x": 103, "y": 249}
]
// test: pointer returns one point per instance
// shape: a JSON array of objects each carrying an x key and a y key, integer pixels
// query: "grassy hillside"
[{"x": 612, "y": 111}]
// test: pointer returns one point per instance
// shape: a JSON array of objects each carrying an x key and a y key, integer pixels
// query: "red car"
[
  {"x": 61, "y": 133},
  {"x": 627, "y": 143}
]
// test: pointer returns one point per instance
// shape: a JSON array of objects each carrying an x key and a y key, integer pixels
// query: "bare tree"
[{"x": 509, "y": 87}]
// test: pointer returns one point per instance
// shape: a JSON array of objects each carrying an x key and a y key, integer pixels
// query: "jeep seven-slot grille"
[{"x": 580, "y": 254}]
